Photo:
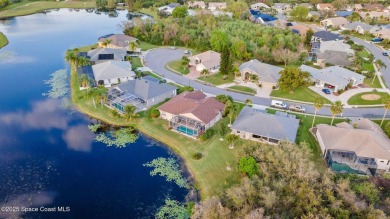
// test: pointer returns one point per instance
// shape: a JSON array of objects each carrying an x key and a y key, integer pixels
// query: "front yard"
[
  {"x": 300, "y": 94},
  {"x": 135, "y": 62},
  {"x": 178, "y": 67},
  {"x": 242, "y": 89},
  {"x": 217, "y": 79},
  {"x": 368, "y": 98},
  {"x": 368, "y": 82}
]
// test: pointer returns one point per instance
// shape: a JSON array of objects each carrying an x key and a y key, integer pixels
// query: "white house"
[
  {"x": 112, "y": 72},
  {"x": 259, "y": 5},
  {"x": 213, "y": 6}
]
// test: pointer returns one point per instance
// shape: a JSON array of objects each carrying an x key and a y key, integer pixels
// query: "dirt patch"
[{"x": 371, "y": 97}]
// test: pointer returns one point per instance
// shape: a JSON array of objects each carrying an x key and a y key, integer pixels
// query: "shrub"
[
  {"x": 207, "y": 134},
  {"x": 222, "y": 129},
  {"x": 155, "y": 113},
  {"x": 185, "y": 88},
  {"x": 340, "y": 91},
  {"x": 197, "y": 156},
  {"x": 224, "y": 98},
  {"x": 248, "y": 166}
]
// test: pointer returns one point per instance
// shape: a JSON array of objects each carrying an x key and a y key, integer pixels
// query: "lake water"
[{"x": 48, "y": 156}]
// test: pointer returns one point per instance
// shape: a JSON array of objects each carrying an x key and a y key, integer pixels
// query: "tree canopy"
[
  {"x": 300, "y": 13},
  {"x": 180, "y": 12},
  {"x": 292, "y": 78}
]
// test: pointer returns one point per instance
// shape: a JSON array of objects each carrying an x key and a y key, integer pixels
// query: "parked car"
[
  {"x": 327, "y": 91},
  {"x": 385, "y": 53},
  {"x": 297, "y": 108},
  {"x": 376, "y": 40},
  {"x": 278, "y": 104},
  {"x": 186, "y": 52},
  {"x": 172, "y": 47}
]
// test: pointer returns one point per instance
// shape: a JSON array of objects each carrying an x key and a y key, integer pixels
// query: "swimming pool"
[{"x": 187, "y": 131}]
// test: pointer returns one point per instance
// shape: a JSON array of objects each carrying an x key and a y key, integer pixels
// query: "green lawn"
[
  {"x": 31, "y": 7},
  {"x": 146, "y": 46},
  {"x": 87, "y": 48},
  {"x": 3, "y": 40},
  {"x": 300, "y": 94},
  {"x": 135, "y": 62},
  {"x": 357, "y": 100},
  {"x": 242, "y": 89},
  {"x": 217, "y": 79},
  {"x": 368, "y": 82},
  {"x": 177, "y": 67}
]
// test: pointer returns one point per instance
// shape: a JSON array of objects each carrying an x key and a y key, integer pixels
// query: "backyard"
[
  {"x": 177, "y": 67},
  {"x": 303, "y": 94},
  {"x": 368, "y": 98},
  {"x": 217, "y": 79}
]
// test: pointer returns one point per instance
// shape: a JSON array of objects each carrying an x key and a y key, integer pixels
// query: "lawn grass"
[
  {"x": 87, "y": 48},
  {"x": 357, "y": 99},
  {"x": 146, "y": 46},
  {"x": 217, "y": 79},
  {"x": 31, "y": 7},
  {"x": 177, "y": 67},
  {"x": 300, "y": 94},
  {"x": 368, "y": 82},
  {"x": 135, "y": 62},
  {"x": 3, "y": 40},
  {"x": 242, "y": 89}
]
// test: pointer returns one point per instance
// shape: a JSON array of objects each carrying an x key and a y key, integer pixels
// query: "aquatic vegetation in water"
[
  {"x": 172, "y": 209},
  {"x": 168, "y": 168},
  {"x": 118, "y": 138},
  {"x": 94, "y": 127},
  {"x": 58, "y": 84}
]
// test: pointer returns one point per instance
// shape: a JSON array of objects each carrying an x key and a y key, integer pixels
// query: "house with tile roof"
[
  {"x": 360, "y": 147},
  {"x": 117, "y": 41},
  {"x": 191, "y": 113},
  {"x": 300, "y": 29},
  {"x": 112, "y": 72},
  {"x": 257, "y": 125},
  {"x": 335, "y": 76},
  {"x": 196, "y": 4},
  {"x": 324, "y": 6},
  {"x": 375, "y": 14},
  {"x": 209, "y": 60},
  {"x": 266, "y": 73},
  {"x": 141, "y": 93},
  {"x": 334, "y": 22},
  {"x": 384, "y": 34}
]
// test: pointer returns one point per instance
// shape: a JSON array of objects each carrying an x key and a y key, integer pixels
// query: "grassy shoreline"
[
  {"x": 3, "y": 40},
  {"x": 32, "y": 7}
]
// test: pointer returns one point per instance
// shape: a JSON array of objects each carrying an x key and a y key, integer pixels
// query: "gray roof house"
[
  {"x": 112, "y": 72},
  {"x": 168, "y": 9},
  {"x": 257, "y": 125},
  {"x": 336, "y": 76},
  {"x": 141, "y": 93},
  {"x": 106, "y": 54},
  {"x": 116, "y": 40},
  {"x": 360, "y": 147},
  {"x": 360, "y": 27},
  {"x": 326, "y": 36},
  {"x": 266, "y": 73},
  {"x": 333, "y": 58}
]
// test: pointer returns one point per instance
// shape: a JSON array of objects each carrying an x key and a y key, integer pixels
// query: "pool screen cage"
[
  {"x": 119, "y": 99},
  {"x": 187, "y": 126}
]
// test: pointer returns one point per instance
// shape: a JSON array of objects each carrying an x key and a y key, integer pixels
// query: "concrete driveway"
[{"x": 156, "y": 60}]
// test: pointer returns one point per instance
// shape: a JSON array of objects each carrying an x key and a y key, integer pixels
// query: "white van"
[{"x": 278, "y": 104}]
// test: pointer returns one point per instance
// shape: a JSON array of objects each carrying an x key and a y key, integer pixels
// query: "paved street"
[{"x": 156, "y": 60}]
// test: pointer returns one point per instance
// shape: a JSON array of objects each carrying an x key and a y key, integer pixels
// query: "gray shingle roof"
[
  {"x": 327, "y": 36},
  {"x": 145, "y": 89},
  {"x": 333, "y": 75},
  {"x": 112, "y": 69},
  {"x": 267, "y": 73},
  {"x": 119, "y": 54},
  {"x": 268, "y": 125},
  {"x": 335, "y": 58},
  {"x": 364, "y": 26}
]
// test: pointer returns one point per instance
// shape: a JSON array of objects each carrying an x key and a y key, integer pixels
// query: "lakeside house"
[
  {"x": 191, "y": 113},
  {"x": 334, "y": 22},
  {"x": 88, "y": 72},
  {"x": 213, "y": 6},
  {"x": 112, "y": 72},
  {"x": 208, "y": 60},
  {"x": 196, "y": 4},
  {"x": 335, "y": 76},
  {"x": 266, "y": 74},
  {"x": 257, "y": 125},
  {"x": 168, "y": 9},
  {"x": 360, "y": 27},
  {"x": 360, "y": 147},
  {"x": 100, "y": 55},
  {"x": 259, "y": 6},
  {"x": 116, "y": 41},
  {"x": 142, "y": 93}
]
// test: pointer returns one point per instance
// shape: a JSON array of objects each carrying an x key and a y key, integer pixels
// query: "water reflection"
[{"x": 79, "y": 138}]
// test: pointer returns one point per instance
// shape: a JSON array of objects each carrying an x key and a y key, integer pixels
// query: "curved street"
[{"x": 156, "y": 60}]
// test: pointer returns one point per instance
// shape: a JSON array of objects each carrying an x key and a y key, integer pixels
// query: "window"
[
  {"x": 238, "y": 132},
  {"x": 388, "y": 162}
]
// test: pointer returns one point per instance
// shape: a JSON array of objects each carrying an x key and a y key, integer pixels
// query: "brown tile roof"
[
  {"x": 301, "y": 28},
  {"x": 202, "y": 107}
]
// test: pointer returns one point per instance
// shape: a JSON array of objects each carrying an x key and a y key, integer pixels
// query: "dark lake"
[{"x": 48, "y": 156}]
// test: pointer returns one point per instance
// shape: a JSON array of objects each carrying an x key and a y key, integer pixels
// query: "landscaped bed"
[
  {"x": 242, "y": 89},
  {"x": 300, "y": 94},
  {"x": 217, "y": 79},
  {"x": 178, "y": 67},
  {"x": 368, "y": 98}
]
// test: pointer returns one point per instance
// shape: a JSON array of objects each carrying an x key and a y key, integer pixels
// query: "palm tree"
[
  {"x": 115, "y": 113},
  {"x": 185, "y": 61},
  {"x": 231, "y": 139},
  {"x": 248, "y": 102},
  {"x": 318, "y": 104},
  {"x": 71, "y": 57},
  {"x": 236, "y": 71},
  {"x": 106, "y": 42},
  {"x": 83, "y": 61},
  {"x": 84, "y": 81},
  {"x": 387, "y": 107},
  {"x": 100, "y": 93},
  {"x": 380, "y": 64},
  {"x": 129, "y": 111},
  {"x": 231, "y": 110},
  {"x": 204, "y": 72},
  {"x": 132, "y": 46},
  {"x": 336, "y": 108}
]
